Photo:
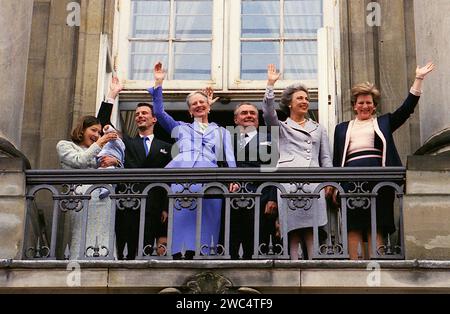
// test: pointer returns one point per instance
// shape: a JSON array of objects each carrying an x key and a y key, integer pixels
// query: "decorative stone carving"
[{"x": 209, "y": 283}]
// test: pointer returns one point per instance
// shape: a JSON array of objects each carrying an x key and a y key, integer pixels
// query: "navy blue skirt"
[{"x": 358, "y": 218}]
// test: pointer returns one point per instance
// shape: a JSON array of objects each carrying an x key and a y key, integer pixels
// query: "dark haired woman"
[
  {"x": 303, "y": 143},
  {"x": 80, "y": 153}
]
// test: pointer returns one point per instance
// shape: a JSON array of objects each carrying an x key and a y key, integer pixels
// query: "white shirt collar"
[
  {"x": 252, "y": 134},
  {"x": 150, "y": 137}
]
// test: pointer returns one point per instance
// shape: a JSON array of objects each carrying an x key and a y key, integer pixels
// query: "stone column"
[
  {"x": 432, "y": 26},
  {"x": 15, "y": 29}
]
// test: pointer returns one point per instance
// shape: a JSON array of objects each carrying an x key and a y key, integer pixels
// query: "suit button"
[
  {"x": 308, "y": 142},
  {"x": 308, "y": 150},
  {"x": 308, "y": 158}
]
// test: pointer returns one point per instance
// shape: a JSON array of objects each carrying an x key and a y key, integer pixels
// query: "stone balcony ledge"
[
  {"x": 263, "y": 276},
  {"x": 218, "y": 264}
]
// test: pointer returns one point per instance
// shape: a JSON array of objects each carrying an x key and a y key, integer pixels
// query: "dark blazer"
[
  {"x": 158, "y": 157},
  {"x": 242, "y": 220},
  {"x": 127, "y": 220},
  {"x": 385, "y": 126},
  {"x": 250, "y": 162}
]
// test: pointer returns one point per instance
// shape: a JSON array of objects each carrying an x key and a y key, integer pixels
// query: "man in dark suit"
[
  {"x": 142, "y": 151},
  {"x": 247, "y": 153}
]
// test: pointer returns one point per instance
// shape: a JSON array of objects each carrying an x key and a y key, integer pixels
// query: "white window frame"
[
  {"x": 104, "y": 75},
  {"x": 329, "y": 69},
  {"x": 234, "y": 80},
  {"x": 216, "y": 52}
]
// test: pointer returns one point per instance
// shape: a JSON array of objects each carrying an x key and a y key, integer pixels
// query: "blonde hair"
[
  {"x": 188, "y": 98},
  {"x": 366, "y": 88}
]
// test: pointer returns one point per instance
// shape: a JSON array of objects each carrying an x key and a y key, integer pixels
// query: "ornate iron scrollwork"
[
  {"x": 74, "y": 203},
  {"x": 271, "y": 249},
  {"x": 212, "y": 249},
  {"x": 242, "y": 202},
  {"x": 388, "y": 248},
  {"x": 358, "y": 201},
  {"x": 38, "y": 251},
  {"x": 299, "y": 187},
  {"x": 186, "y": 202},
  {"x": 152, "y": 250},
  {"x": 300, "y": 202},
  {"x": 331, "y": 249},
  {"x": 95, "y": 249},
  {"x": 128, "y": 202}
]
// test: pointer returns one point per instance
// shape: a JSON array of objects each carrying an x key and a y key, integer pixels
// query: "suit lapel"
[
  {"x": 380, "y": 134},
  {"x": 211, "y": 128},
  {"x": 154, "y": 148},
  {"x": 308, "y": 128},
  {"x": 195, "y": 126},
  {"x": 347, "y": 141}
]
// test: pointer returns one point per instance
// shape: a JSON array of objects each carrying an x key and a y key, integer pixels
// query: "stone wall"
[
  {"x": 433, "y": 43},
  {"x": 12, "y": 207},
  {"x": 63, "y": 70},
  {"x": 427, "y": 208},
  {"x": 383, "y": 55},
  {"x": 15, "y": 27}
]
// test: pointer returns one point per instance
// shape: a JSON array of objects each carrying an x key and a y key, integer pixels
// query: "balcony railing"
[{"x": 55, "y": 197}]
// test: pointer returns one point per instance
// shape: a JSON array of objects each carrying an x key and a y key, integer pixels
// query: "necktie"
[
  {"x": 145, "y": 139},
  {"x": 243, "y": 140}
]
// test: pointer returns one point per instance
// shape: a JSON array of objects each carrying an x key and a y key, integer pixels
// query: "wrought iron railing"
[{"x": 55, "y": 197}]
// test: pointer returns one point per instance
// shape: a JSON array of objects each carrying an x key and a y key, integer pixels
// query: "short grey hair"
[
  {"x": 236, "y": 109},
  {"x": 286, "y": 96},
  {"x": 188, "y": 98}
]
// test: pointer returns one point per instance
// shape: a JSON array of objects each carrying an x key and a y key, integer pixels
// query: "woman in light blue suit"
[{"x": 201, "y": 145}]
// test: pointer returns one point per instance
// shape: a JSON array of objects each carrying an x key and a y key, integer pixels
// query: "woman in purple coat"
[{"x": 201, "y": 144}]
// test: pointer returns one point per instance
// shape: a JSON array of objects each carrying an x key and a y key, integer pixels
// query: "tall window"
[
  {"x": 283, "y": 32},
  {"x": 179, "y": 33},
  {"x": 223, "y": 43}
]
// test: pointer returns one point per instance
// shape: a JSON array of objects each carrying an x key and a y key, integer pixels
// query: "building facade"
[{"x": 59, "y": 57}]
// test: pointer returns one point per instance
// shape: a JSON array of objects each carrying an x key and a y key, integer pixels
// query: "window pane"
[
  {"x": 192, "y": 61},
  {"x": 153, "y": 7},
  {"x": 150, "y": 19},
  {"x": 302, "y": 18},
  {"x": 260, "y": 19},
  {"x": 144, "y": 56},
  {"x": 193, "y": 19},
  {"x": 255, "y": 56},
  {"x": 300, "y": 60},
  {"x": 303, "y": 7}
]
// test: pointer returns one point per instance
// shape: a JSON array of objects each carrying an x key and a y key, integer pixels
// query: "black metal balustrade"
[{"x": 70, "y": 193}]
